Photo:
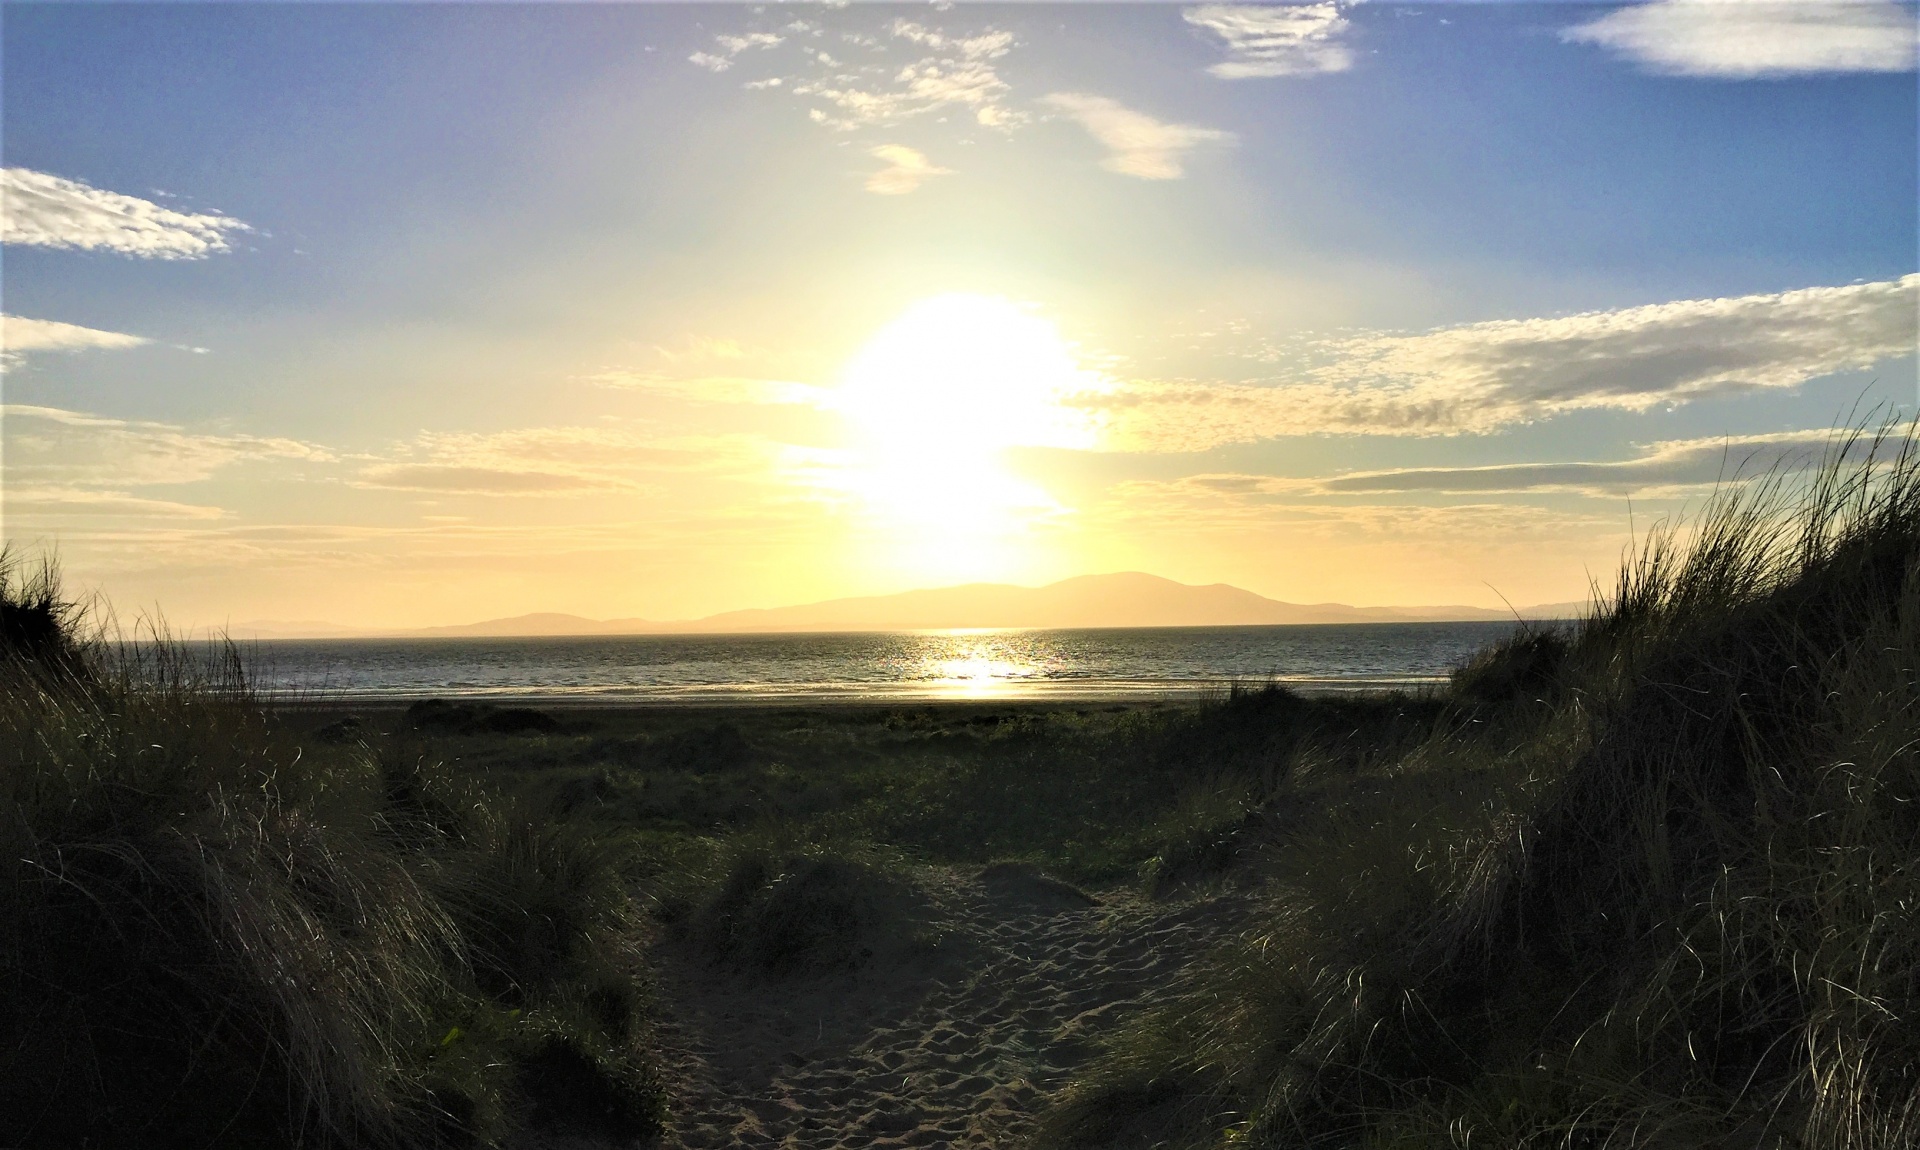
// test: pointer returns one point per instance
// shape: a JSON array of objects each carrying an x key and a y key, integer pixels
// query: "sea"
[{"x": 1117, "y": 664}]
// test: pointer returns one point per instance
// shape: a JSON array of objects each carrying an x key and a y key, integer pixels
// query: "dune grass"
[
  {"x": 1651, "y": 882},
  {"x": 213, "y": 933}
]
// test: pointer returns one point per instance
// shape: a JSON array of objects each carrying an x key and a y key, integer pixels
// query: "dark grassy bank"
[
  {"x": 216, "y": 932},
  {"x": 1654, "y": 882}
]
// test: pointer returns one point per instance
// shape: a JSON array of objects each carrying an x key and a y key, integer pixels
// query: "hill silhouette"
[{"x": 1124, "y": 599}]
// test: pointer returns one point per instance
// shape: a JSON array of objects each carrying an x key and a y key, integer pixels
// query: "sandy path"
[{"x": 956, "y": 1048}]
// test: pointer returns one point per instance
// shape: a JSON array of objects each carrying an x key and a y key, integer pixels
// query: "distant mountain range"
[{"x": 1127, "y": 599}]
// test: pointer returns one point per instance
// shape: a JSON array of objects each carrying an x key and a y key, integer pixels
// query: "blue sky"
[{"x": 439, "y": 312}]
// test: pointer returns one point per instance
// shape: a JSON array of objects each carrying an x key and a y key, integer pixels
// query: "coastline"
[{"x": 719, "y": 696}]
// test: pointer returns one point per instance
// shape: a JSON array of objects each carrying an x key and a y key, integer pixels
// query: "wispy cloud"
[
  {"x": 43, "y": 210},
  {"x": 727, "y": 389},
  {"x": 525, "y": 461},
  {"x": 1276, "y": 39},
  {"x": 1481, "y": 377},
  {"x": 1672, "y": 466},
  {"x": 63, "y": 504},
  {"x": 902, "y": 70},
  {"x": 62, "y": 464},
  {"x": 457, "y": 479},
  {"x": 554, "y": 461},
  {"x": 731, "y": 46},
  {"x": 954, "y": 72},
  {"x": 19, "y": 335},
  {"x": 1246, "y": 506},
  {"x": 1745, "y": 39},
  {"x": 906, "y": 170},
  {"x": 1137, "y": 144}
]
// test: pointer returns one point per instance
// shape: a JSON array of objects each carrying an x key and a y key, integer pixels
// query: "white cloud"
[
  {"x": 18, "y": 335},
  {"x": 43, "y": 210},
  {"x": 915, "y": 90},
  {"x": 906, "y": 170},
  {"x": 1743, "y": 39},
  {"x": 1481, "y": 377},
  {"x": 1137, "y": 144},
  {"x": 1641, "y": 357},
  {"x": 989, "y": 45},
  {"x": 953, "y": 72},
  {"x": 731, "y": 46},
  {"x": 1275, "y": 39},
  {"x": 735, "y": 45}
]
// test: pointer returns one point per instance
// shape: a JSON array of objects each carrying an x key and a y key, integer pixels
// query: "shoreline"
[{"x": 1175, "y": 692}]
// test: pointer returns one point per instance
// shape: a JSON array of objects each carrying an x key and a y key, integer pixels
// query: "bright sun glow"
[{"x": 937, "y": 397}]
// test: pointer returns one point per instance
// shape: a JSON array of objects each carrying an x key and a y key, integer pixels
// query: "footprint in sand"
[{"x": 960, "y": 1047}]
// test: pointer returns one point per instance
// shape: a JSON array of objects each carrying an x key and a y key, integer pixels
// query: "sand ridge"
[{"x": 958, "y": 1046}]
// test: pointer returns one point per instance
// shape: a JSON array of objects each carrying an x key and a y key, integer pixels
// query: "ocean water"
[{"x": 981, "y": 665}]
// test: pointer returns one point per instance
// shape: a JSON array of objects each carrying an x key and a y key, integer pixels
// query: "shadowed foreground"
[
  {"x": 1648, "y": 881},
  {"x": 959, "y": 1044}
]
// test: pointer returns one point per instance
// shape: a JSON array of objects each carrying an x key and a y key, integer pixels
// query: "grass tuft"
[{"x": 780, "y": 911}]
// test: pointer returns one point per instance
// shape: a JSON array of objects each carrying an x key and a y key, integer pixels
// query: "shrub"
[{"x": 780, "y": 913}]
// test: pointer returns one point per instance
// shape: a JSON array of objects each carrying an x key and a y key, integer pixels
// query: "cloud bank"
[
  {"x": 1275, "y": 40},
  {"x": 1137, "y": 144},
  {"x": 1480, "y": 377},
  {"x": 42, "y": 210},
  {"x": 1747, "y": 39}
]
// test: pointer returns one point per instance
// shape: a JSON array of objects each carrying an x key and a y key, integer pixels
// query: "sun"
[
  {"x": 966, "y": 375},
  {"x": 935, "y": 400}
]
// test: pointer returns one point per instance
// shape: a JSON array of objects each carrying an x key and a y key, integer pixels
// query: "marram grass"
[
  {"x": 212, "y": 935},
  {"x": 1653, "y": 882}
]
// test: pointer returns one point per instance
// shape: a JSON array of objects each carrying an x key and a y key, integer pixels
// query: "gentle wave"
[{"x": 1118, "y": 664}]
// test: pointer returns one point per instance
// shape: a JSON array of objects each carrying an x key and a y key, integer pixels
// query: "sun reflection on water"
[{"x": 977, "y": 664}]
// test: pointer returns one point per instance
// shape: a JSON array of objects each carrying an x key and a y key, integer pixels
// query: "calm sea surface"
[{"x": 1095, "y": 664}]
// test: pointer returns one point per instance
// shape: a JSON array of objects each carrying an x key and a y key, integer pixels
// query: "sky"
[{"x": 407, "y": 315}]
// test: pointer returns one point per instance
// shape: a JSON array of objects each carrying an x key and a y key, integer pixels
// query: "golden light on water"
[
  {"x": 982, "y": 663},
  {"x": 936, "y": 399}
]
